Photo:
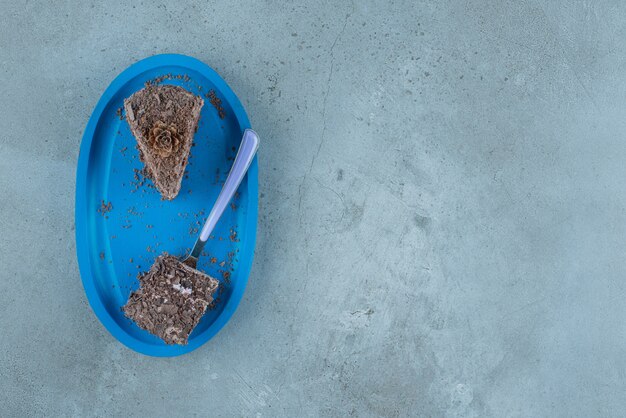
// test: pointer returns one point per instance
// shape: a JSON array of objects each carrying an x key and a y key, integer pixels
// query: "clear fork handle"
[{"x": 245, "y": 155}]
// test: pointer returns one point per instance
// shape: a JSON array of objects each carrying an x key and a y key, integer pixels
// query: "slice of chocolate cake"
[
  {"x": 171, "y": 299},
  {"x": 163, "y": 119}
]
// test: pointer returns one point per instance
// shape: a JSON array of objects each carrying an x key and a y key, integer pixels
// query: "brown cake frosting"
[{"x": 163, "y": 119}]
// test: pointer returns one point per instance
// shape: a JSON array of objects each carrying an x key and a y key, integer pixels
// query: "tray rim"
[{"x": 80, "y": 209}]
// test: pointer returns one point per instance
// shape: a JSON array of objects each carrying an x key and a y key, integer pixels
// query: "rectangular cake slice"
[{"x": 171, "y": 299}]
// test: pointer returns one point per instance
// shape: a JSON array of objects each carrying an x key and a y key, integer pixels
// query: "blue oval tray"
[{"x": 115, "y": 244}]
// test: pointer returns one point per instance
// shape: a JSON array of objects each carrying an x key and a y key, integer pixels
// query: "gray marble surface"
[{"x": 442, "y": 221}]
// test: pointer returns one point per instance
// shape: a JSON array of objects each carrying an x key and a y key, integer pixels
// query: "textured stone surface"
[{"x": 442, "y": 209}]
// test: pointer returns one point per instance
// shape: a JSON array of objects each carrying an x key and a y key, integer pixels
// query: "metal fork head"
[
  {"x": 192, "y": 258},
  {"x": 190, "y": 261}
]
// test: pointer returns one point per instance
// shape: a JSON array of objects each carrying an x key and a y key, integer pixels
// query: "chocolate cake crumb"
[
  {"x": 102, "y": 255},
  {"x": 217, "y": 103},
  {"x": 140, "y": 178},
  {"x": 162, "y": 78},
  {"x": 104, "y": 208},
  {"x": 217, "y": 175},
  {"x": 133, "y": 211},
  {"x": 119, "y": 113}
]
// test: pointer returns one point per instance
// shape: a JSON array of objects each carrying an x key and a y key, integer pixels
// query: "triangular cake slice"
[{"x": 163, "y": 119}]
